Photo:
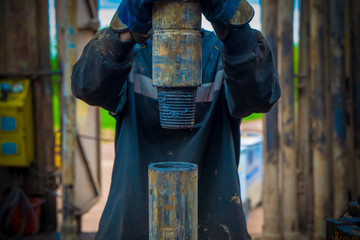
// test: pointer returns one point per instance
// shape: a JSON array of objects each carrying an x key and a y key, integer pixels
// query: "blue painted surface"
[
  {"x": 340, "y": 124},
  {"x": 5, "y": 86},
  {"x": 251, "y": 165},
  {"x": 8, "y": 124},
  {"x": 9, "y": 148},
  {"x": 253, "y": 173}
]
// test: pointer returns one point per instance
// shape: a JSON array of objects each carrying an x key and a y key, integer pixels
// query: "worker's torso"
[{"x": 213, "y": 145}]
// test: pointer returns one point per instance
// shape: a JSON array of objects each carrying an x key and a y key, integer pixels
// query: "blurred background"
[{"x": 299, "y": 164}]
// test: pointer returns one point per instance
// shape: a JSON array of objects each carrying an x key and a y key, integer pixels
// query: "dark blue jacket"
[{"x": 239, "y": 78}]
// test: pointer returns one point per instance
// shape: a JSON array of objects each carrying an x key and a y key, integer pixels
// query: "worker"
[{"x": 239, "y": 78}]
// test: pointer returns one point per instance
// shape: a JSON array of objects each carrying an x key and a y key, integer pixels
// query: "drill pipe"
[
  {"x": 173, "y": 201},
  {"x": 176, "y": 60}
]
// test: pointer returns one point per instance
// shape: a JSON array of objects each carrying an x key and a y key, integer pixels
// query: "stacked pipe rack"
[{"x": 312, "y": 138}]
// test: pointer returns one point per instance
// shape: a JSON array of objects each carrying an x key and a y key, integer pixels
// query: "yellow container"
[{"x": 16, "y": 125}]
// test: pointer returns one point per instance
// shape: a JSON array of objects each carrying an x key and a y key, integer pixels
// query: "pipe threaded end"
[{"x": 177, "y": 107}]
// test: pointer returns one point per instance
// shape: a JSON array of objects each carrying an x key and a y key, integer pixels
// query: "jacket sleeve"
[
  {"x": 251, "y": 83},
  {"x": 99, "y": 76}
]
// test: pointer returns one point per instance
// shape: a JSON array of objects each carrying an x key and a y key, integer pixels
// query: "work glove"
[
  {"x": 225, "y": 15},
  {"x": 134, "y": 16}
]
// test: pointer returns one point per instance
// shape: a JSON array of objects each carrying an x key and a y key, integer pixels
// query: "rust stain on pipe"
[
  {"x": 287, "y": 118},
  {"x": 339, "y": 106},
  {"x": 271, "y": 202},
  {"x": 173, "y": 199},
  {"x": 69, "y": 226},
  {"x": 177, "y": 60},
  {"x": 318, "y": 100}
]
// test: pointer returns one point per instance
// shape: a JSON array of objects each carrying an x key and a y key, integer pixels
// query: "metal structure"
[
  {"x": 271, "y": 201},
  {"x": 177, "y": 60},
  {"x": 25, "y": 52},
  {"x": 87, "y": 145},
  {"x": 68, "y": 228},
  {"x": 355, "y": 59},
  {"x": 305, "y": 184},
  {"x": 322, "y": 167},
  {"x": 339, "y": 106},
  {"x": 173, "y": 201},
  {"x": 287, "y": 118},
  {"x": 321, "y": 162},
  {"x": 326, "y": 116}
]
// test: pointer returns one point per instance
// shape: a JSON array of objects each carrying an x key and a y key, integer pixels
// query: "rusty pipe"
[
  {"x": 287, "y": 120},
  {"x": 68, "y": 133},
  {"x": 173, "y": 199},
  {"x": 177, "y": 60},
  {"x": 319, "y": 135},
  {"x": 339, "y": 152},
  {"x": 271, "y": 201}
]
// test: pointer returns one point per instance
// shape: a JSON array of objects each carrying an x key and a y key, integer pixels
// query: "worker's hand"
[
  {"x": 133, "y": 16},
  {"x": 227, "y": 14},
  {"x": 125, "y": 36}
]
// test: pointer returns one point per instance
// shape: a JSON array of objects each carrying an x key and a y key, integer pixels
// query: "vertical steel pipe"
[
  {"x": 68, "y": 133},
  {"x": 177, "y": 60},
  {"x": 43, "y": 97},
  {"x": 306, "y": 206},
  {"x": 271, "y": 202},
  {"x": 339, "y": 156},
  {"x": 287, "y": 117},
  {"x": 173, "y": 199},
  {"x": 355, "y": 60},
  {"x": 350, "y": 132},
  {"x": 319, "y": 138}
]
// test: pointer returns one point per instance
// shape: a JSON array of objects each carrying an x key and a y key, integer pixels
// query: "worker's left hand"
[
  {"x": 219, "y": 11},
  {"x": 227, "y": 14}
]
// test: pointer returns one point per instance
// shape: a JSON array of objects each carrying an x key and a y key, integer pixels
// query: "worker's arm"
[
  {"x": 99, "y": 75},
  {"x": 251, "y": 83}
]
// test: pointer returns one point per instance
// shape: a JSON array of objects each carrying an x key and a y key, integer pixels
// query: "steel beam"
[
  {"x": 306, "y": 203},
  {"x": 339, "y": 156},
  {"x": 271, "y": 202},
  {"x": 287, "y": 119},
  {"x": 319, "y": 137},
  {"x": 68, "y": 228},
  {"x": 355, "y": 60}
]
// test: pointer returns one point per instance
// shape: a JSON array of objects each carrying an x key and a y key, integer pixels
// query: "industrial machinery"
[
  {"x": 16, "y": 124},
  {"x": 346, "y": 227},
  {"x": 177, "y": 60}
]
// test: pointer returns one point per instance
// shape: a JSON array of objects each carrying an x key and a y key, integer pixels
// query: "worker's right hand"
[{"x": 134, "y": 16}]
